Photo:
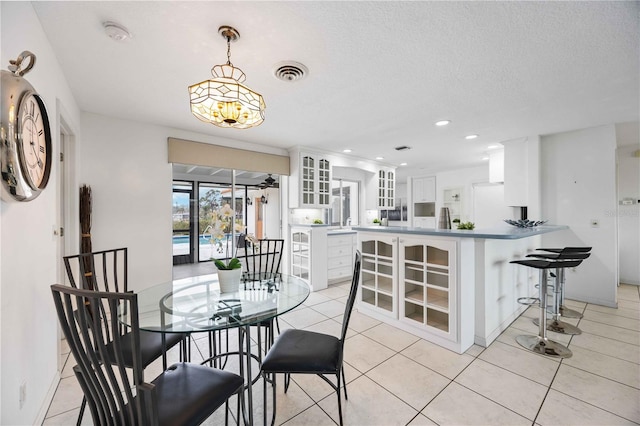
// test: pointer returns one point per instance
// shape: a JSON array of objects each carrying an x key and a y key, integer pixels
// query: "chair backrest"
[
  {"x": 113, "y": 396},
  {"x": 262, "y": 261},
  {"x": 104, "y": 270},
  {"x": 352, "y": 296}
]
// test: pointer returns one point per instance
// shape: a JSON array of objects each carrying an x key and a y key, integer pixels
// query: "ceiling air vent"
[
  {"x": 402, "y": 148},
  {"x": 290, "y": 71}
]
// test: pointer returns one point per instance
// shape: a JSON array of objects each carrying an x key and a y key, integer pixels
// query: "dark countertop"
[{"x": 497, "y": 233}]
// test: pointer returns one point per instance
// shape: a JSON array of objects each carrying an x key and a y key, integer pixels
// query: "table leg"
[{"x": 249, "y": 376}]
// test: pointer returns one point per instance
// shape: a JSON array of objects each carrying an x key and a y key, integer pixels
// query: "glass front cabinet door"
[
  {"x": 427, "y": 284},
  {"x": 378, "y": 279},
  {"x": 315, "y": 181}
]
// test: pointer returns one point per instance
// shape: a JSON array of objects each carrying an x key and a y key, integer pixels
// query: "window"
[{"x": 345, "y": 204}]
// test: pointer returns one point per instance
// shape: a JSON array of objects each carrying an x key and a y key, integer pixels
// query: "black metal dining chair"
[
  {"x": 307, "y": 352},
  {"x": 262, "y": 262},
  {"x": 107, "y": 271},
  {"x": 183, "y": 394}
]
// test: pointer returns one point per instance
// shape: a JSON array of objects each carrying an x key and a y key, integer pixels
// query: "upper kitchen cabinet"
[
  {"x": 516, "y": 172},
  {"x": 424, "y": 189},
  {"x": 310, "y": 182},
  {"x": 386, "y": 188}
]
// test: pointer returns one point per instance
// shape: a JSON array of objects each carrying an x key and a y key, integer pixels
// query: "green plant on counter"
[
  {"x": 317, "y": 221},
  {"x": 456, "y": 221},
  {"x": 376, "y": 221},
  {"x": 466, "y": 225}
]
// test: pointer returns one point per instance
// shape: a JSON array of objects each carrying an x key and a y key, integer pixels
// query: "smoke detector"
[
  {"x": 116, "y": 31},
  {"x": 290, "y": 71}
]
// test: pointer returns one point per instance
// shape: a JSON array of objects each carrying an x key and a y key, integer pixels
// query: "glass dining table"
[{"x": 196, "y": 305}]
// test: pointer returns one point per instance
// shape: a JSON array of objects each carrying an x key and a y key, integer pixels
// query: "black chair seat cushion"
[
  {"x": 150, "y": 346},
  {"x": 188, "y": 393},
  {"x": 302, "y": 351}
]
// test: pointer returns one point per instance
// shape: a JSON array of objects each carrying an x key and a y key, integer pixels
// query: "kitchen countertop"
[
  {"x": 330, "y": 229},
  {"x": 498, "y": 233}
]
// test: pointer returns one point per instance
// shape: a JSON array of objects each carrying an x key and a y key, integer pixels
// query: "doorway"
[{"x": 183, "y": 219}]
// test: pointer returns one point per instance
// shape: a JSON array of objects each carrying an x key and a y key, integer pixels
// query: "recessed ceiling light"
[
  {"x": 379, "y": 158},
  {"x": 471, "y": 136},
  {"x": 346, "y": 150},
  {"x": 403, "y": 164},
  {"x": 485, "y": 158},
  {"x": 493, "y": 146},
  {"x": 442, "y": 122}
]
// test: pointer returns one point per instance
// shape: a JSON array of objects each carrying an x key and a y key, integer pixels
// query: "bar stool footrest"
[{"x": 529, "y": 301}]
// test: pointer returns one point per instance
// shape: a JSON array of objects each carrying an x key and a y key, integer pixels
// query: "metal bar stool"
[
  {"x": 541, "y": 344},
  {"x": 556, "y": 324},
  {"x": 564, "y": 311}
]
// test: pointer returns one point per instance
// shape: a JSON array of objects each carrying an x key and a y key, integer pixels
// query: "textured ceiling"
[{"x": 380, "y": 73}]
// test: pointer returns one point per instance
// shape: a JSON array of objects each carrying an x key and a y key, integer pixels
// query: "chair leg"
[
  {"x": 226, "y": 413},
  {"x": 344, "y": 383},
  {"x": 339, "y": 398},
  {"x": 265, "y": 377},
  {"x": 82, "y": 407},
  {"x": 287, "y": 379}
]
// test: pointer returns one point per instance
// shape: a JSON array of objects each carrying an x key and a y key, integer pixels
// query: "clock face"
[{"x": 34, "y": 140}]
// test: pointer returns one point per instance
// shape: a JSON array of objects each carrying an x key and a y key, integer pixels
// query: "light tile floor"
[{"x": 395, "y": 378}]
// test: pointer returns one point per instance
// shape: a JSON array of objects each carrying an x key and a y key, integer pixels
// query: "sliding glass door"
[{"x": 183, "y": 229}]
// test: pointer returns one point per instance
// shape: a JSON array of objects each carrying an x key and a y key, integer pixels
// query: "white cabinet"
[
  {"x": 386, "y": 188},
  {"x": 496, "y": 166},
  {"x": 424, "y": 222},
  {"x": 310, "y": 185},
  {"x": 300, "y": 261},
  {"x": 378, "y": 278},
  {"x": 308, "y": 255},
  {"x": 340, "y": 256},
  {"x": 412, "y": 282},
  {"x": 516, "y": 172},
  {"x": 427, "y": 284},
  {"x": 424, "y": 189}
]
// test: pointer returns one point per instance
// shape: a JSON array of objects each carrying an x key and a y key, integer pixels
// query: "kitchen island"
[{"x": 452, "y": 287}]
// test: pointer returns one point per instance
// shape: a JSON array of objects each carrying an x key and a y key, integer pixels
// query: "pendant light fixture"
[{"x": 224, "y": 101}]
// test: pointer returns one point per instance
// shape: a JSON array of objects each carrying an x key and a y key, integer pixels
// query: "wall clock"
[{"x": 25, "y": 134}]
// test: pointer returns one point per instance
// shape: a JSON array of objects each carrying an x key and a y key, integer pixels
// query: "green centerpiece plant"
[{"x": 466, "y": 225}]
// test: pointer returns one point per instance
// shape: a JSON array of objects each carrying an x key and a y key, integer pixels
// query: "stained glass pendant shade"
[{"x": 223, "y": 100}]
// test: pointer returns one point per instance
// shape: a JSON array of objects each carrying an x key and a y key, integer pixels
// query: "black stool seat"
[
  {"x": 547, "y": 264},
  {"x": 571, "y": 255},
  {"x": 566, "y": 249}
]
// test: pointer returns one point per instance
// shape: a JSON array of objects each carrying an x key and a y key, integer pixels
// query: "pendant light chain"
[{"x": 229, "y": 50}]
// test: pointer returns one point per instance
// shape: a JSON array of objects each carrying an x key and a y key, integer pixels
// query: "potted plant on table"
[{"x": 229, "y": 272}]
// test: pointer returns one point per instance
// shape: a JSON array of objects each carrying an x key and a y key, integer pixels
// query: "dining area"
[{"x": 183, "y": 351}]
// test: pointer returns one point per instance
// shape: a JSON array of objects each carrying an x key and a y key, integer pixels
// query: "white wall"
[
  {"x": 125, "y": 163},
  {"x": 30, "y": 261},
  {"x": 628, "y": 160},
  {"x": 578, "y": 185},
  {"x": 464, "y": 178}
]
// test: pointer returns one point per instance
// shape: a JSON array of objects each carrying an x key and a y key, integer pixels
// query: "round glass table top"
[{"x": 185, "y": 306}]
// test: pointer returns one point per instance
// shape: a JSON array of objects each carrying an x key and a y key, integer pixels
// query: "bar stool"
[
  {"x": 564, "y": 311},
  {"x": 556, "y": 324},
  {"x": 541, "y": 344}
]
